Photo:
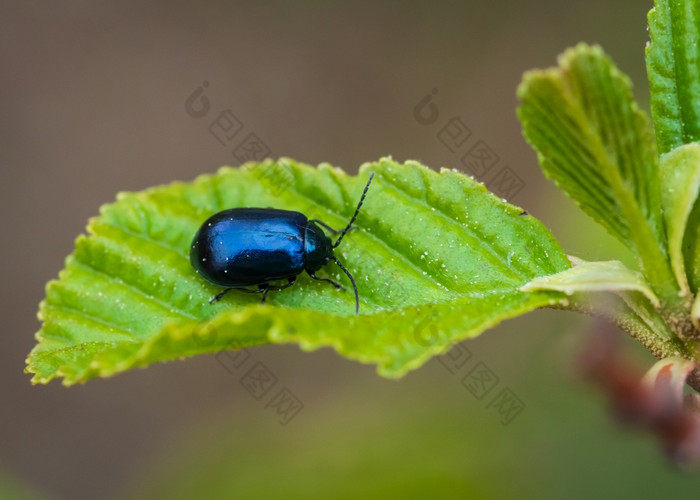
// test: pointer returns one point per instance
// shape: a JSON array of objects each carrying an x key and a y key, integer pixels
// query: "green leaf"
[
  {"x": 436, "y": 258},
  {"x": 680, "y": 184},
  {"x": 610, "y": 276},
  {"x": 673, "y": 68},
  {"x": 597, "y": 145}
]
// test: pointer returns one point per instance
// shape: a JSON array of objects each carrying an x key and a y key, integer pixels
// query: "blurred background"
[{"x": 93, "y": 97}]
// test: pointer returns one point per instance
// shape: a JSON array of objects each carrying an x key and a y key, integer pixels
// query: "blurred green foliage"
[{"x": 428, "y": 437}]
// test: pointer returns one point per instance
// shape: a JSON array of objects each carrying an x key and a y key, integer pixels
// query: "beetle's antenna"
[
  {"x": 354, "y": 216},
  {"x": 354, "y": 286}
]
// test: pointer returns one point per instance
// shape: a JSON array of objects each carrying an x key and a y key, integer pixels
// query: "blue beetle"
[{"x": 242, "y": 247}]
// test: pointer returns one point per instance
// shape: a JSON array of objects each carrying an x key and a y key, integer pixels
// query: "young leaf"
[
  {"x": 680, "y": 184},
  {"x": 673, "y": 68},
  {"x": 611, "y": 276},
  {"x": 635, "y": 309},
  {"x": 631, "y": 311},
  {"x": 436, "y": 258},
  {"x": 669, "y": 374},
  {"x": 596, "y": 144}
]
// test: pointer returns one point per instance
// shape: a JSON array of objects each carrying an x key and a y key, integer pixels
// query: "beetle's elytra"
[{"x": 243, "y": 247}]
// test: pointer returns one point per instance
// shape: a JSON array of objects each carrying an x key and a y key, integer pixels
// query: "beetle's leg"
[
  {"x": 266, "y": 287},
  {"x": 334, "y": 231},
  {"x": 337, "y": 286},
  {"x": 290, "y": 282},
  {"x": 217, "y": 298}
]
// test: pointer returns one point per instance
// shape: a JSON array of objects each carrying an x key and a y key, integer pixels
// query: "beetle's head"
[{"x": 318, "y": 248}]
